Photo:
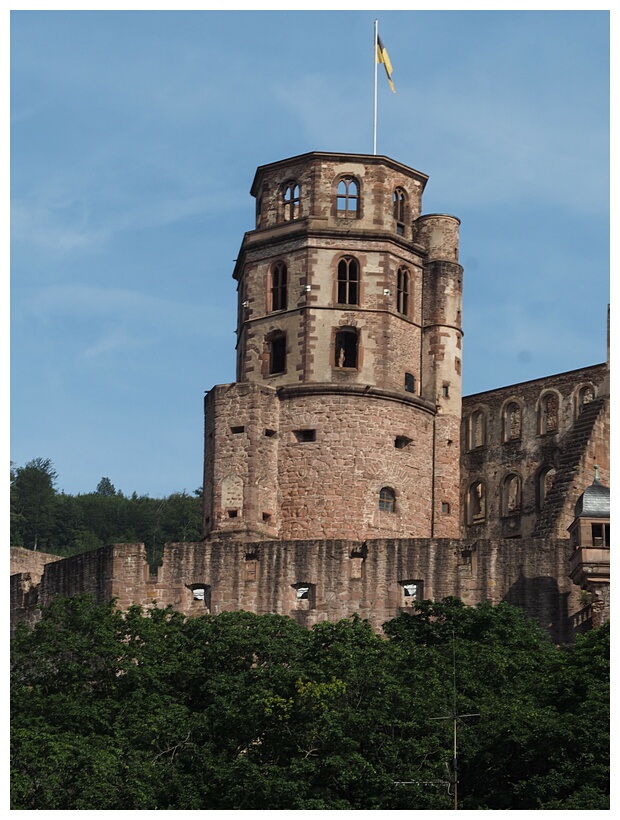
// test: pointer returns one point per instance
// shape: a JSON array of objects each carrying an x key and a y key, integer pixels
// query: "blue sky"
[{"x": 134, "y": 141}]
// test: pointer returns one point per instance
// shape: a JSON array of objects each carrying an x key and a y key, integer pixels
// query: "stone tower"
[{"x": 344, "y": 420}]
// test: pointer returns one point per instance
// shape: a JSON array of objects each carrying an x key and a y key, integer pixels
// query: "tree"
[
  {"x": 105, "y": 487},
  {"x": 153, "y": 710},
  {"x": 32, "y": 504}
]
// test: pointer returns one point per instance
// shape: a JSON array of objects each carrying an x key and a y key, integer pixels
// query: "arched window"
[
  {"x": 512, "y": 422},
  {"x": 346, "y": 348},
  {"x": 347, "y": 199},
  {"x": 543, "y": 485},
  {"x": 291, "y": 201},
  {"x": 402, "y": 291},
  {"x": 511, "y": 495},
  {"x": 400, "y": 210},
  {"x": 409, "y": 382},
  {"x": 476, "y": 430},
  {"x": 476, "y": 505},
  {"x": 277, "y": 353},
  {"x": 348, "y": 281},
  {"x": 585, "y": 396},
  {"x": 279, "y": 281},
  {"x": 548, "y": 413},
  {"x": 387, "y": 499}
]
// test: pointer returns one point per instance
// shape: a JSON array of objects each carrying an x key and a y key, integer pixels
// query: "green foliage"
[
  {"x": 62, "y": 524},
  {"x": 152, "y": 710}
]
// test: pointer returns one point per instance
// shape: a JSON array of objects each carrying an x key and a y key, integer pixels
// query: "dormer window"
[{"x": 347, "y": 200}]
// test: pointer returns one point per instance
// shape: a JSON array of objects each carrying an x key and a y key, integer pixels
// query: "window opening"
[
  {"x": 477, "y": 431},
  {"x": 476, "y": 503},
  {"x": 303, "y": 593},
  {"x": 270, "y": 433},
  {"x": 586, "y": 395},
  {"x": 549, "y": 413},
  {"x": 348, "y": 281},
  {"x": 237, "y": 430},
  {"x": 346, "y": 348},
  {"x": 233, "y": 513},
  {"x": 544, "y": 483},
  {"x": 402, "y": 291},
  {"x": 305, "y": 435},
  {"x": 387, "y": 499},
  {"x": 400, "y": 442},
  {"x": 291, "y": 200},
  {"x": 277, "y": 354},
  {"x": 445, "y": 391},
  {"x": 409, "y": 382},
  {"x": 445, "y": 508},
  {"x": 279, "y": 280},
  {"x": 597, "y": 535},
  {"x": 201, "y": 595},
  {"x": 400, "y": 202},
  {"x": 259, "y": 211},
  {"x": 266, "y": 516},
  {"x": 347, "y": 200},
  {"x": 512, "y": 422},
  {"x": 512, "y": 495}
]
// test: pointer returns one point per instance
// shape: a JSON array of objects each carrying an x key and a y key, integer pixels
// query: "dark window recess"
[
  {"x": 266, "y": 516},
  {"x": 278, "y": 286},
  {"x": 305, "y": 435},
  {"x": 409, "y": 382},
  {"x": 445, "y": 508},
  {"x": 277, "y": 355},
  {"x": 270, "y": 433},
  {"x": 387, "y": 499},
  {"x": 348, "y": 281},
  {"x": 600, "y": 535},
  {"x": 400, "y": 442},
  {"x": 237, "y": 429},
  {"x": 346, "y": 348},
  {"x": 402, "y": 291},
  {"x": 445, "y": 391},
  {"x": 233, "y": 513}
]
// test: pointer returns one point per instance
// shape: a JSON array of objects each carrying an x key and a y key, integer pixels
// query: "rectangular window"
[
  {"x": 237, "y": 429},
  {"x": 445, "y": 391},
  {"x": 305, "y": 435},
  {"x": 277, "y": 355}
]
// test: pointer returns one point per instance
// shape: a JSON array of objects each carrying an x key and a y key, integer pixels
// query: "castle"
[{"x": 343, "y": 471}]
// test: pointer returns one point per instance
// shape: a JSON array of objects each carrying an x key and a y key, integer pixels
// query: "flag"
[{"x": 382, "y": 57}]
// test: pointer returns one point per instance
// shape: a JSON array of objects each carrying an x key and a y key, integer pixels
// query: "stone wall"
[
  {"x": 503, "y": 436},
  {"x": 318, "y": 580}
]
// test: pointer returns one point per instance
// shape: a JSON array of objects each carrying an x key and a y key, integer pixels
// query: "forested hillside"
[
  {"x": 50, "y": 521},
  {"x": 132, "y": 711}
]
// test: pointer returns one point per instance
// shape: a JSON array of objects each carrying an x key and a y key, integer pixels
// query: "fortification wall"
[{"x": 371, "y": 578}]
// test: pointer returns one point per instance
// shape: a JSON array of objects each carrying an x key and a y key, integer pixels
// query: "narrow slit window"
[
  {"x": 402, "y": 291},
  {"x": 400, "y": 209},
  {"x": 279, "y": 282},
  {"x": 409, "y": 382}
]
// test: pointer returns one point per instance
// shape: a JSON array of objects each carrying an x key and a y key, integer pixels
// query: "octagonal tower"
[{"x": 344, "y": 420}]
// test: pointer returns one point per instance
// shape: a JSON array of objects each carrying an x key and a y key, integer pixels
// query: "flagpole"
[{"x": 374, "y": 59}]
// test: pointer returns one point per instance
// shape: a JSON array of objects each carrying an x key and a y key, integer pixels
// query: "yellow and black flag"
[{"x": 383, "y": 57}]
